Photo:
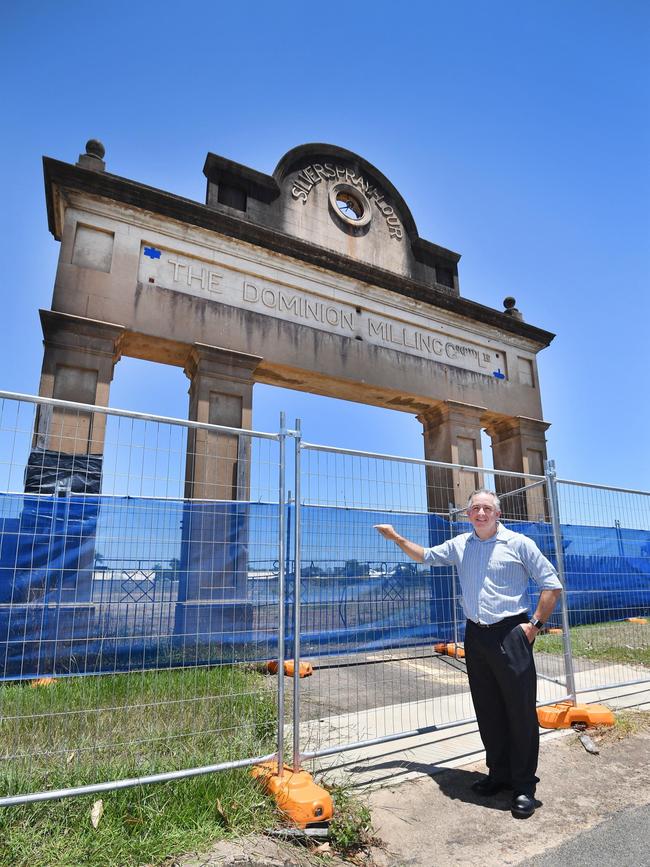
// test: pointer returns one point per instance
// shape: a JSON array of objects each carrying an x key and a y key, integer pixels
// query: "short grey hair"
[{"x": 497, "y": 501}]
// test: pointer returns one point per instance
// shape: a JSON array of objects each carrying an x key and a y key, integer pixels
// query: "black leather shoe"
[
  {"x": 488, "y": 787},
  {"x": 523, "y": 806}
]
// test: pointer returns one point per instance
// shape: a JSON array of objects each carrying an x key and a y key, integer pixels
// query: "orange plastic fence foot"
[
  {"x": 43, "y": 681},
  {"x": 565, "y": 714},
  {"x": 637, "y": 619},
  {"x": 554, "y": 630},
  {"x": 296, "y": 794},
  {"x": 305, "y": 669},
  {"x": 451, "y": 649}
]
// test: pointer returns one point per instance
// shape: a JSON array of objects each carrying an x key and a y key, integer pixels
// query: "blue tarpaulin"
[{"x": 94, "y": 584}]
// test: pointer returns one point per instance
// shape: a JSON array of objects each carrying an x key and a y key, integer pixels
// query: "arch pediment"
[
  {"x": 304, "y": 167},
  {"x": 335, "y": 199}
]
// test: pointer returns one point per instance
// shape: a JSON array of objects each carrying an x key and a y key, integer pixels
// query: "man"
[{"x": 493, "y": 566}]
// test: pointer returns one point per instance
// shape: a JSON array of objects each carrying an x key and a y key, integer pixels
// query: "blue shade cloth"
[{"x": 92, "y": 584}]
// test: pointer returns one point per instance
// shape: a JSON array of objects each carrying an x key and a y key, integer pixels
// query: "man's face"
[{"x": 483, "y": 515}]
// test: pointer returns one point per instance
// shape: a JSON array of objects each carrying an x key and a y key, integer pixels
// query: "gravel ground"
[{"x": 592, "y": 809}]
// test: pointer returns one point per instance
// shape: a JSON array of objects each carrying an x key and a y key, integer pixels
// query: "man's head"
[{"x": 483, "y": 511}]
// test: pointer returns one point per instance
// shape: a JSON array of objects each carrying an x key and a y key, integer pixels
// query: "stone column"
[
  {"x": 51, "y": 584},
  {"x": 519, "y": 445},
  {"x": 221, "y": 392},
  {"x": 78, "y": 364},
  {"x": 452, "y": 433},
  {"x": 214, "y": 559}
]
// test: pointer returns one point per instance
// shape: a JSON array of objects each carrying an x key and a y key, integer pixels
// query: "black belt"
[{"x": 522, "y": 617}]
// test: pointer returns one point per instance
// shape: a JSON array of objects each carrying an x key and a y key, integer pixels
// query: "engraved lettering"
[
  {"x": 251, "y": 292},
  {"x": 301, "y": 180},
  {"x": 268, "y": 298},
  {"x": 312, "y": 309},
  {"x": 177, "y": 266},
  {"x": 375, "y": 329},
  {"x": 290, "y": 304},
  {"x": 332, "y": 316},
  {"x": 405, "y": 338},
  {"x": 213, "y": 280},
  {"x": 320, "y": 171},
  {"x": 311, "y": 175},
  {"x": 200, "y": 277}
]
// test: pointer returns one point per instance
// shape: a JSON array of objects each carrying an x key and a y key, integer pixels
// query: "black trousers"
[{"x": 503, "y": 683}]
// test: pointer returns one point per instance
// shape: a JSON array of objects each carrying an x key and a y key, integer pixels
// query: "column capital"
[
  {"x": 219, "y": 362},
  {"x": 502, "y": 428},
  {"x": 451, "y": 410},
  {"x": 77, "y": 333}
]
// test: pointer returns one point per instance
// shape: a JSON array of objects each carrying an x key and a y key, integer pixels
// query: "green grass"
[
  {"x": 607, "y": 642},
  {"x": 350, "y": 830},
  {"x": 87, "y": 730}
]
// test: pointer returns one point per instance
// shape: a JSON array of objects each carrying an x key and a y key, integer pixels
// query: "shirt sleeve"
[
  {"x": 538, "y": 567},
  {"x": 441, "y": 555}
]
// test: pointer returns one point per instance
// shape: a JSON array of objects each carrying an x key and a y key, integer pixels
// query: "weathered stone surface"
[{"x": 318, "y": 272}]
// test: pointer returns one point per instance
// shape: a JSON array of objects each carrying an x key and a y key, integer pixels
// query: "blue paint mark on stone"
[
  {"x": 151, "y": 252},
  {"x": 497, "y": 374}
]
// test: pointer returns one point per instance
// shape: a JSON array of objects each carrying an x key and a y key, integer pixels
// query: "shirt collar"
[{"x": 501, "y": 535}]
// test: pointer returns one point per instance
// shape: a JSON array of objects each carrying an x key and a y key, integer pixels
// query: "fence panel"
[
  {"x": 606, "y": 543},
  {"x": 143, "y": 563},
  {"x": 375, "y": 624},
  {"x": 139, "y": 580}
]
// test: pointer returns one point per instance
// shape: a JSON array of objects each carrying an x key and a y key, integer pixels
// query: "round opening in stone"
[{"x": 349, "y": 206}]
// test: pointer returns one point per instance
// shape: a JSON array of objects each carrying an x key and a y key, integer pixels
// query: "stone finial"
[
  {"x": 510, "y": 310},
  {"x": 94, "y": 156}
]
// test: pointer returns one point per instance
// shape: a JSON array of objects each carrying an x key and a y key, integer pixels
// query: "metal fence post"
[
  {"x": 281, "y": 588},
  {"x": 296, "y": 603},
  {"x": 453, "y": 511},
  {"x": 554, "y": 509}
]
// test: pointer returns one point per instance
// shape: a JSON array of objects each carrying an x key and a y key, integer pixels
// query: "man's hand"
[
  {"x": 412, "y": 549},
  {"x": 529, "y": 631},
  {"x": 387, "y": 531}
]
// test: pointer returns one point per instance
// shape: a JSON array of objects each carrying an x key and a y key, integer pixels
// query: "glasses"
[{"x": 474, "y": 510}]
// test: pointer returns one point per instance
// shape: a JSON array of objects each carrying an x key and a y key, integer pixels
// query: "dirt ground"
[{"x": 436, "y": 821}]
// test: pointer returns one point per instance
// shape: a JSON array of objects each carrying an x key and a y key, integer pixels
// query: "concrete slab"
[{"x": 454, "y": 743}]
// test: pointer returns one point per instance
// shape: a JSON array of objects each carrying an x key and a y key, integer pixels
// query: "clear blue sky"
[{"x": 518, "y": 133}]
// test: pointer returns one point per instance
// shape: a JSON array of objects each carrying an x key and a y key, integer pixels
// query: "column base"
[{"x": 199, "y": 623}]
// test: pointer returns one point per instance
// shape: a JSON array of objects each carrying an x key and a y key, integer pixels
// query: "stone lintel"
[{"x": 60, "y": 177}]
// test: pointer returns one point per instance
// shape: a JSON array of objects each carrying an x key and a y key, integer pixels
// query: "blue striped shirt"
[{"x": 494, "y": 572}]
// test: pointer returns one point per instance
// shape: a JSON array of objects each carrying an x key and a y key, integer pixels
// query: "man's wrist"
[{"x": 536, "y": 623}]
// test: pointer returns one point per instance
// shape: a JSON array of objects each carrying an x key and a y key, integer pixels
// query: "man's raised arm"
[{"x": 411, "y": 549}]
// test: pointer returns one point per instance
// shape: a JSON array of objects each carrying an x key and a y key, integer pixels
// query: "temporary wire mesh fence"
[
  {"x": 606, "y": 544},
  {"x": 143, "y": 566},
  {"x": 382, "y": 628},
  {"x": 138, "y": 568}
]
